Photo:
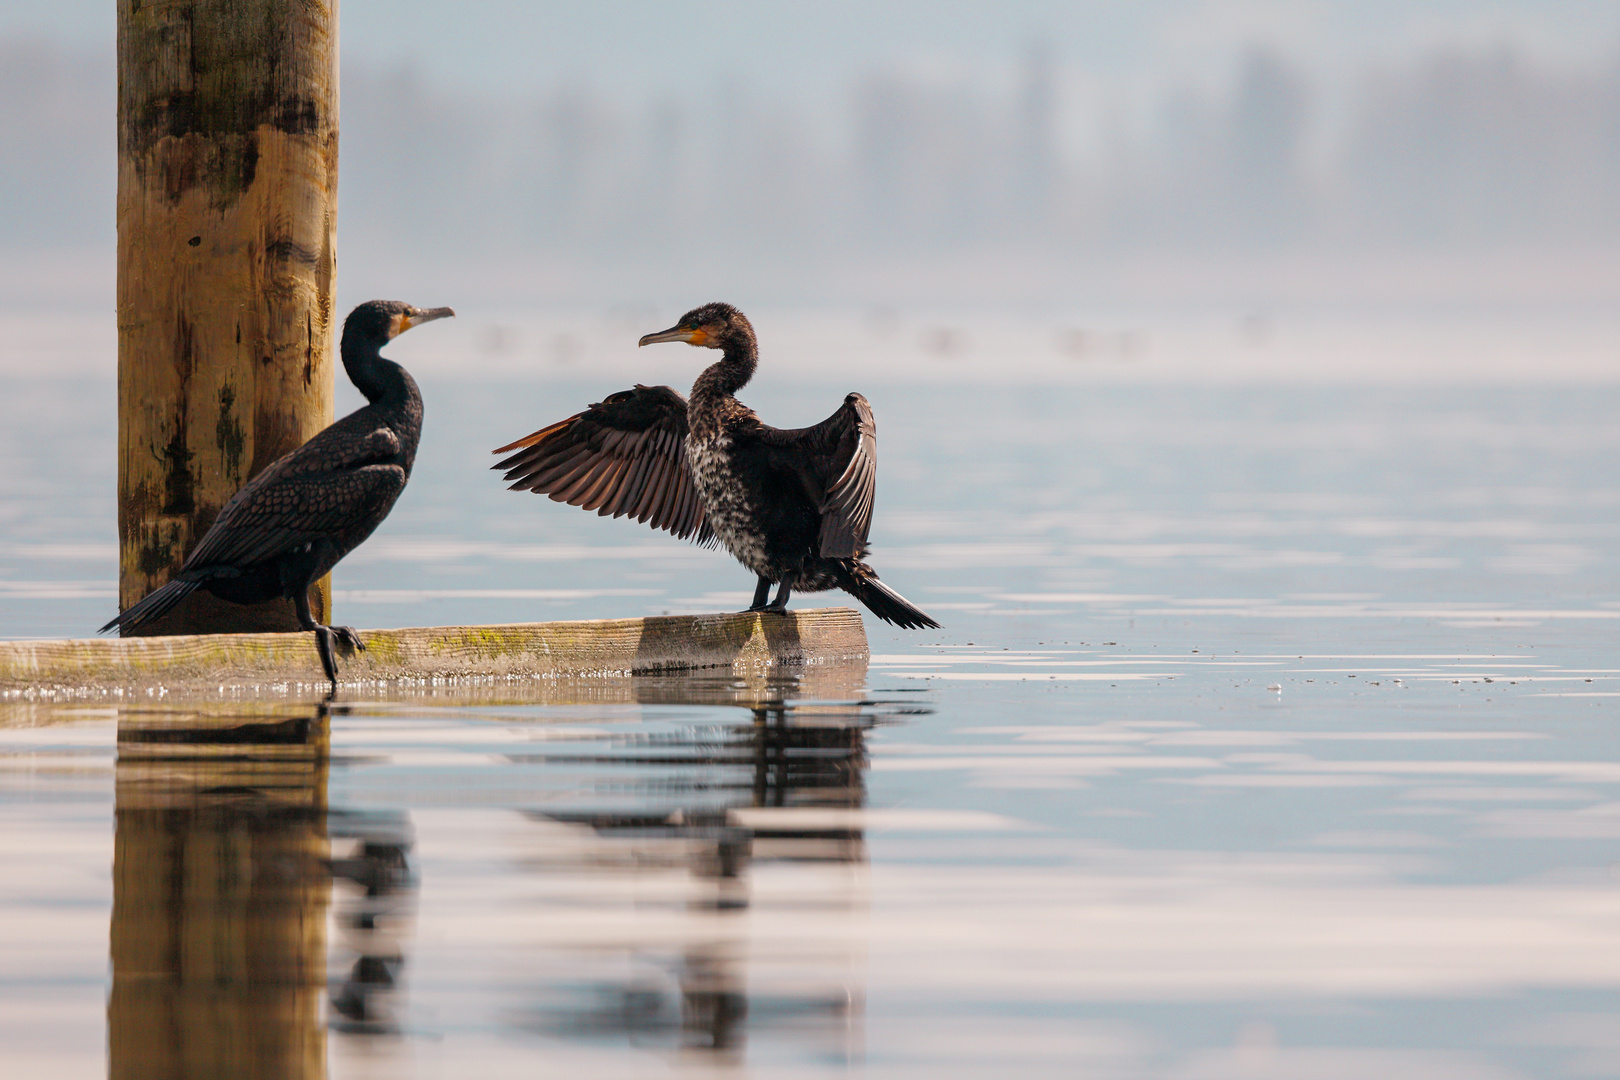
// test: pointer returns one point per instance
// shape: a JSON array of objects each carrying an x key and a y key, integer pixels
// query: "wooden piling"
[{"x": 227, "y": 198}]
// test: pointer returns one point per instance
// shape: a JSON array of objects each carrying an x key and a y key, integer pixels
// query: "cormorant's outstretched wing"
[
  {"x": 624, "y": 456},
  {"x": 336, "y": 484},
  {"x": 836, "y": 461}
]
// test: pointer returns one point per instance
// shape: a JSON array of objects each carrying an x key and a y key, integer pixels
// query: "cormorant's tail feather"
[
  {"x": 156, "y": 603},
  {"x": 861, "y": 582}
]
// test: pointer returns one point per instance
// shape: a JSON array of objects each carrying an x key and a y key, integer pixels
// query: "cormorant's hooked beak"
[
  {"x": 677, "y": 333},
  {"x": 416, "y": 317}
]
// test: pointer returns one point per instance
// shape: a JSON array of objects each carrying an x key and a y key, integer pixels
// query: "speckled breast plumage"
[{"x": 731, "y": 514}]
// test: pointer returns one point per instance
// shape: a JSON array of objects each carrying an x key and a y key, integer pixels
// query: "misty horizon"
[{"x": 963, "y": 186}]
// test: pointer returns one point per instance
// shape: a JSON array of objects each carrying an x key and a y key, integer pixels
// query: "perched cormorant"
[
  {"x": 292, "y": 522},
  {"x": 792, "y": 506}
]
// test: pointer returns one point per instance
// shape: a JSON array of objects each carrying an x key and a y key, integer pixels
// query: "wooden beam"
[
  {"x": 227, "y": 202},
  {"x": 738, "y": 642}
]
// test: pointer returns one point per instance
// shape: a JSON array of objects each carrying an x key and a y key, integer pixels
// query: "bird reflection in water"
[
  {"x": 376, "y": 898},
  {"x": 723, "y": 831}
]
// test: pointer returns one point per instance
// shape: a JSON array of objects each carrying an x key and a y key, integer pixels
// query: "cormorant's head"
[
  {"x": 712, "y": 326},
  {"x": 383, "y": 320}
]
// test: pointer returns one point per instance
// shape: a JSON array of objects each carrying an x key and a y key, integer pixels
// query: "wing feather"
[
  {"x": 662, "y": 488},
  {"x": 653, "y": 497},
  {"x": 624, "y": 456},
  {"x": 605, "y": 474},
  {"x": 612, "y": 496},
  {"x": 280, "y": 511},
  {"x": 573, "y": 487},
  {"x": 836, "y": 462},
  {"x": 541, "y": 473},
  {"x": 630, "y": 497}
]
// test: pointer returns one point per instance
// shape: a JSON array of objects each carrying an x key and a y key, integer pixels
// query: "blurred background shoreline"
[{"x": 1087, "y": 169}]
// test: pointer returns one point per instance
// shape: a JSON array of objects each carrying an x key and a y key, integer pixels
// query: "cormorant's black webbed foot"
[
  {"x": 350, "y": 639},
  {"x": 348, "y": 643},
  {"x": 779, "y": 605},
  {"x": 323, "y": 646},
  {"x": 762, "y": 593}
]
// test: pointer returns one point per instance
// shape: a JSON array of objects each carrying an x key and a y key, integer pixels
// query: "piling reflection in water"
[{"x": 220, "y": 890}]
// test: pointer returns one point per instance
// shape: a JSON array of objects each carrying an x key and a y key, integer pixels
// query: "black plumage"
[
  {"x": 794, "y": 506},
  {"x": 291, "y": 523}
]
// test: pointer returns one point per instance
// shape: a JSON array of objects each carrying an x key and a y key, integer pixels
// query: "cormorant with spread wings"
[{"x": 793, "y": 506}]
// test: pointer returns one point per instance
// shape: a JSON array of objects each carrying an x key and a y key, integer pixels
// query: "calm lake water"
[{"x": 1271, "y": 734}]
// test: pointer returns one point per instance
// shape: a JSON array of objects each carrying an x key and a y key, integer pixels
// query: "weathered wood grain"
[
  {"x": 724, "y": 643},
  {"x": 227, "y": 206}
]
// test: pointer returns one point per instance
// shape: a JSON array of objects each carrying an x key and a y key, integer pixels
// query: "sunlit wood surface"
[
  {"x": 738, "y": 641},
  {"x": 227, "y": 210}
]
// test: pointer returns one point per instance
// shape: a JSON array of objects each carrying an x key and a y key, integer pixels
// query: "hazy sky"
[
  {"x": 807, "y": 49},
  {"x": 611, "y": 131}
]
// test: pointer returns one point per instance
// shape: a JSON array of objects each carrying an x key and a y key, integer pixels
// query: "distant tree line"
[{"x": 1453, "y": 151}]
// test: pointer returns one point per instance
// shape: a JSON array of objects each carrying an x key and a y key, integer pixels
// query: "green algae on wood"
[{"x": 672, "y": 643}]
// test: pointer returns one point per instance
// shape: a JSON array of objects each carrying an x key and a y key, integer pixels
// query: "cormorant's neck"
[
  {"x": 382, "y": 381},
  {"x": 739, "y": 356}
]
